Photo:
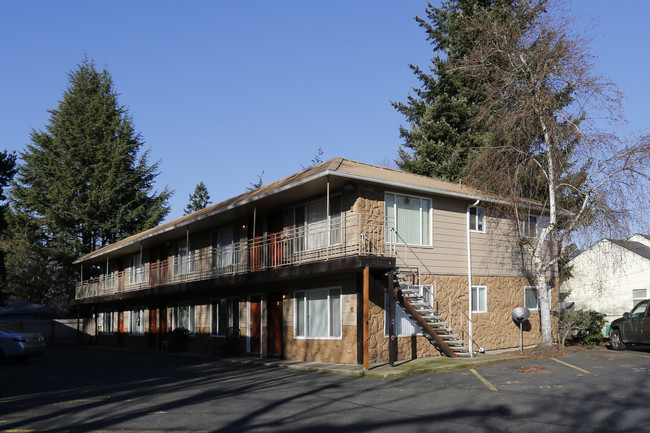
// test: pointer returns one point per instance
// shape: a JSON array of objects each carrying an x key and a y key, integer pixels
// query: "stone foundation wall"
[
  {"x": 343, "y": 350},
  {"x": 493, "y": 330},
  {"x": 411, "y": 347}
]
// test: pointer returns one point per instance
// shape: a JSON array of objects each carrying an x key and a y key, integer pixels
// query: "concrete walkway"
[
  {"x": 379, "y": 370},
  {"x": 383, "y": 370}
]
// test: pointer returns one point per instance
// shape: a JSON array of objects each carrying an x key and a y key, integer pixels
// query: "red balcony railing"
[{"x": 349, "y": 235}]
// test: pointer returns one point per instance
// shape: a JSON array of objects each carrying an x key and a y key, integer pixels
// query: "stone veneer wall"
[
  {"x": 493, "y": 330},
  {"x": 411, "y": 347},
  {"x": 370, "y": 203},
  {"x": 343, "y": 350}
]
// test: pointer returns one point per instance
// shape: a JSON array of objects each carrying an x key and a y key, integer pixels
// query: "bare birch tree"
[{"x": 545, "y": 108}]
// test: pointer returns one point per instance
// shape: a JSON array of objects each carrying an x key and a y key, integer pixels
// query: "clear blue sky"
[{"x": 223, "y": 90}]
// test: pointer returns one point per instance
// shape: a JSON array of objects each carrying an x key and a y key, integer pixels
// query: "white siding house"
[{"x": 610, "y": 277}]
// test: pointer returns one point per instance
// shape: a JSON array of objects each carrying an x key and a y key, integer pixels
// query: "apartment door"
[
  {"x": 276, "y": 232},
  {"x": 275, "y": 323},
  {"x": 120, "y": 328},
  {"x": 255, "y": 324},
  {"x": 153, "y": 321},
  {"x": 163, "y": 321},
  {"x": 153, "y": 328}
]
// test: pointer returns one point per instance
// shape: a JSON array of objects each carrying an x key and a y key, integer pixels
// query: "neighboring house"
[
  {"x": 303, "y": 268},
  {"x": 610, "y": 277}
]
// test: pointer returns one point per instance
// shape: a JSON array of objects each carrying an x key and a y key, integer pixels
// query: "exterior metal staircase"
[{"x": 435, "y": 329}]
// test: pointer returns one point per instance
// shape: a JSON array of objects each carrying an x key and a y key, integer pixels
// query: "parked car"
[
  {"x": 20, "y": 345},
  {"x": 632, "y": 328}
]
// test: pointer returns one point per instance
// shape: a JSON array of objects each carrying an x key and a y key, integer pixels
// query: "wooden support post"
[
  {"x": 392, "y": 342},
  {"x": 366, "y": 317}
]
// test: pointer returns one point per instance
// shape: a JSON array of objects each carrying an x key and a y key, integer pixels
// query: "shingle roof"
[
  {"x": 635, "y": 247},
  {"x": 335, "y": 167}
]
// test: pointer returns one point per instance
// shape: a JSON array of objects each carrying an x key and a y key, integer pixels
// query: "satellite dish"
[{"x": 520, "y": 314}]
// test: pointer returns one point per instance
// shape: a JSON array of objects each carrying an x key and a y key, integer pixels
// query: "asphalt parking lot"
[{"x": 92, "y": 390}]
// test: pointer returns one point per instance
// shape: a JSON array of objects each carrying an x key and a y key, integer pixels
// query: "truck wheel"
[{"x": 615, "y": 340}]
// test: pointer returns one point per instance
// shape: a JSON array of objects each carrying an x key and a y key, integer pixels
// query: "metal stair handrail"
[
  {"x": 415, "y": 314},
  {"x": 415, "y": 272}
]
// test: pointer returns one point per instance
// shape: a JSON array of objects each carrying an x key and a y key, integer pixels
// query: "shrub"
[{"x": 585, "y": 326}]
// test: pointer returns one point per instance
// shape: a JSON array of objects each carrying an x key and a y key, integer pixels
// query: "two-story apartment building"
[{"x": 307, "y": 268}]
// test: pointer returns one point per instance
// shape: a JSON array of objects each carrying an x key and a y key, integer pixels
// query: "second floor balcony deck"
[{"x": 345, "y": 236}]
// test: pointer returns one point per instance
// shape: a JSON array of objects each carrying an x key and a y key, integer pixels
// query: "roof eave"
[{"x": 327, "y": 172}]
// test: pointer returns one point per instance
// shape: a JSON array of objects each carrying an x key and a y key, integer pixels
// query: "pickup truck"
[{"x": 632, "y": 328}]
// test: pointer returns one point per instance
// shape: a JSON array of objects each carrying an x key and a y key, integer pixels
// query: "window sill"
[{"x": 317, "y": 338}]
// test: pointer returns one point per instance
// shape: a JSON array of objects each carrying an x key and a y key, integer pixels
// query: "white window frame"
[
  {"x": 233, "y": 313},
  {"x": 530, "y": 226},
  {"x": 314, "y": 235},
  {"x": 225, "y": 247},
  {"x": 183, "y": 260},
  {"x": 477, "y": 220},
  {"x": 338, "y": 313},
  {"x": 108, "y": 322},
  {"x": 137, "y": 328},
  {"x": 479, "y": 293},
  {"x": 527, "y": 288},
  {"x": 533, "y": 225},
  {"x": 392, "y": 219},
  {"x": 192, "y": 317},
  {"x": 136, "y": 274},
  {"x": 636, "y": 299}
]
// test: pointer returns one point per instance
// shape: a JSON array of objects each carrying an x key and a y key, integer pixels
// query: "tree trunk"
[
  {"x": 543, "y": 288},
  {"x": 544, "y": 294}
]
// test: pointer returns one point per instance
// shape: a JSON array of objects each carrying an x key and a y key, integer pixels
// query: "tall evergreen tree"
[
  {"x": 536, "y": 93},
  {"x": 85, "y": 181},
  {"x": 441, "y": 111},
  {"x": 199, "y": 199},
  {"x": 7, "y": 172}
]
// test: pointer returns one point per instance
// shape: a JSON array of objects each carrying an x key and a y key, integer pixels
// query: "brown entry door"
[
  {"x": 275, "y": 323},
  {"x": 163, "y": 321},
  {"x": 255, "y": 324}
]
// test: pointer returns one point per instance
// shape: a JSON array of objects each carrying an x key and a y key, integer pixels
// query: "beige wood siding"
[{"x": 494, "y": 253}]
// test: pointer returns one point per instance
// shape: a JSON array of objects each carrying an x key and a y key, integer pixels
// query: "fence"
[{"x": 57, "y": 332}]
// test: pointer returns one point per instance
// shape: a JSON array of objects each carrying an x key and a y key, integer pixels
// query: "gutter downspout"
[{"x": 469, "y": 281}]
